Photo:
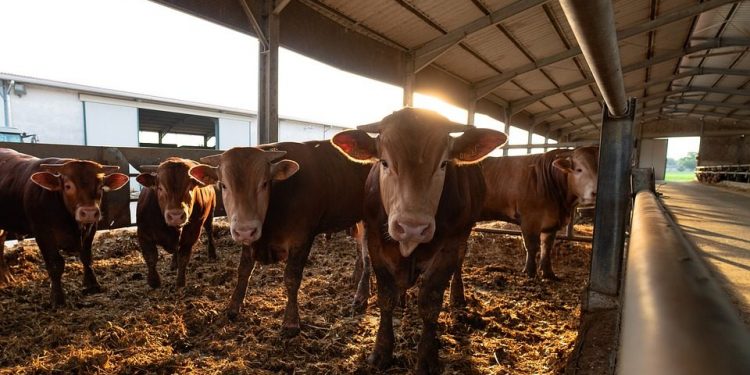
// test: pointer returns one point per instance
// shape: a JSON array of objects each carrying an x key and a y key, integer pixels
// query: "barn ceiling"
[{"x": 680, "y": 58}]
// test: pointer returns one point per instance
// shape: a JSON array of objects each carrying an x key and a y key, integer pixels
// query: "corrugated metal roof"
[{"x": 529, "y": 62}]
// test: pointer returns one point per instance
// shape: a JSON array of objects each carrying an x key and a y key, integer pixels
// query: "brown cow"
[
  {"x": 422, "y": 199},
  {"x": 171, "y": 211},
  {"x": 56, "y": 201},
  {"x": 276, "y": 211},
  {"x": 538, "y": 192}
]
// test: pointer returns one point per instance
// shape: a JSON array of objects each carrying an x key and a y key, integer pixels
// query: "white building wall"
[
  {"x": 54, "y": 115},
  {"x": 233, "y": 133},
  {"x": 111, "y": 125},
  {"x": 298, "y": 131}
]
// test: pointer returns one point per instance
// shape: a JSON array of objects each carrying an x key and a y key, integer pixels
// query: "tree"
[{"x": 687, "y": 163}]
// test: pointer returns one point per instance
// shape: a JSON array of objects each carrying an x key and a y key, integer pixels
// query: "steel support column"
[
  {"x": 508, "y": 116},
  {"x": 471, "y": 112},
  {"x": 268, "y": 74},
  {"x": 612, "y": 208}
]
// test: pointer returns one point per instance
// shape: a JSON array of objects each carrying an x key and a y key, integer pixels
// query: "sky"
[{"x": 142, "y": 47}]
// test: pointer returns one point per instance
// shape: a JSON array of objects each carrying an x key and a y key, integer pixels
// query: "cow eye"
[
  {"x": 579, "y": 170},
  {"x": 444, "y": 164},
  {"x": 68, "y": 186},
  {"x": 221, "y": 185},
  {"x": 385, "y": 164},
  {"x": 264, "y": 185}
]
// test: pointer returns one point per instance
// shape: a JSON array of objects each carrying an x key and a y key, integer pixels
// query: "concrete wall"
[
  {"x": 721, "y": 150},
  {"x": 54, "y": 115}
]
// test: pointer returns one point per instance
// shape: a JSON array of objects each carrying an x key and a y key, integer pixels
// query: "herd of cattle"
[{"x": 413, "y": 194}]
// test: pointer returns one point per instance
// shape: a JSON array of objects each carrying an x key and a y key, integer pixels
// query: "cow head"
[
  {"x": 81, "y": 184},
  {"x": 175, "y": 188},
  {"x": 581, "y": 167},
  {"x": 244, "y": 175},
  {"x": 413, "y": 150}
]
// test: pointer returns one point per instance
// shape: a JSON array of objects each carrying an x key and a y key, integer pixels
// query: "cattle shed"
[{"x": 613, "y": 72}]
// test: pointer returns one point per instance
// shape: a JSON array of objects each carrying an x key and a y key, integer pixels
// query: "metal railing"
[
  {"x": 675, "y": 317},
  {"x": 718, "y": 173}
]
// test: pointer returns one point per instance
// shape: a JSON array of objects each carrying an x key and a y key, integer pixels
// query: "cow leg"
[
  {"x": 458, "y": 299},
  {"x": 244, "y": 270},
  {"x": 184, "y": 252},
  {"x": 90, "y": 285},
  {"x": 5, "y": 276},
  {"x": 531, "y": 243},
  {"x": 295, "y": 264},
  {"x": 55, "y": 267},
  {"x": 151, "y": 256},
  {"x": 382, "y": 355},
  {"x": 363, "y": 286},
  {"x": 548, "y": 241},
  {"x": 430, "y": 302},
  {"x": 208, "y": 226}
]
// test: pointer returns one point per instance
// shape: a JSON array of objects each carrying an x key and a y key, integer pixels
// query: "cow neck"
[{"x": 555, "y": 183}]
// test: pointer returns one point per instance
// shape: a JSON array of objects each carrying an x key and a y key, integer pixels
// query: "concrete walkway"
[{"x": 717, "y": 220}]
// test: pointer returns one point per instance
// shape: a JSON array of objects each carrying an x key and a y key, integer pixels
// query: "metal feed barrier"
[
  {"x": 115, "y": 205},
  {"x": 675, "y": 317},
  {"x": 718, "y": 173}
]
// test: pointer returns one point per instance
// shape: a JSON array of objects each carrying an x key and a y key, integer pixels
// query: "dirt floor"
[{"x": 512, "y": 325}]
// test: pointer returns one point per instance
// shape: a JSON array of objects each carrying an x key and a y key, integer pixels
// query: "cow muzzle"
[
  {"x": 87, "y": 214},
  {"x": 175, "y": 217},
  {"x": 410, "y": 232},
  {"x": 246, "y": 233}
]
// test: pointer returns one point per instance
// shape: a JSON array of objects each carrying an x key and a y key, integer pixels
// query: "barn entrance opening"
[{"x": 172, "y": 129}]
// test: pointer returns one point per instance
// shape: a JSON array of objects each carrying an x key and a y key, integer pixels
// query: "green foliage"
[{"x": 680, "y": 176}]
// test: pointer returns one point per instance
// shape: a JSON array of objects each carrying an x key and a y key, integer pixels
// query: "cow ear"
[
  {"x": 474, "y": 145},
  {"x": 204, "y": 174},
  {"x": 357, "y": 145},
  {"x": 146, "y": 179},
  {"x": 47, "y": 180},
  {"x": 115, "y": 181},
  {"x": 564, "y": 164},
  {"x": 284, "y": 169}
]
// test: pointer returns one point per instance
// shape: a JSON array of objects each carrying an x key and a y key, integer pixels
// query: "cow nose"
[
  {"x": 412, "y": 230},
  {"x": 246, "y": 233},
  {"x": 175, "y": 217},
  {"x": 87, "y": 215}
]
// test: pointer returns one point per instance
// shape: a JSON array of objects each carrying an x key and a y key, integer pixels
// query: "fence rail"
[
  {"x": 115, "y": 205},
  {"x": 675, "y": 317},
  {"x": 717, "y": 173}
]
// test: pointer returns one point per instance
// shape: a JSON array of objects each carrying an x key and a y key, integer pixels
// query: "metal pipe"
[
  {"x": 566, "y": 237},
  {"x": 593, "y": 23},
  {"x": 676, "y": 319}
]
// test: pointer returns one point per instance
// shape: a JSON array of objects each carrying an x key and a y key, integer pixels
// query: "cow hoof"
[
  {"x": 232, "y": 315},
  {"x": 154, "y": 282},
  {"x": 289, "y": 331},
  {"x": 57, "y": 300},
  {"x": 529, "y": 273},
  {"x": 458, "y": 302},
  {"x": 380, "y": 360},
  {"x": 92, "y": 289},
  {"x": 550, "y": 276},
  {"x": 359, "y": 306},
  {"x": 428, "y": 367}
]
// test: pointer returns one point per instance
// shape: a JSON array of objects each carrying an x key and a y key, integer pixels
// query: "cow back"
[{"x": 325, "y": 195}]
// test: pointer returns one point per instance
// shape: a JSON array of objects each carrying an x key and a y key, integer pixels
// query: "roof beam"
[
  {"x": 539, "y": 117},
  {"x": 714, "y": 90},
  {"x": 518, "y": 105},
  {"x": 708, "y": 103},
  {"x": 433, "y": 49},
  {"x": 488, "y": 85}
]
